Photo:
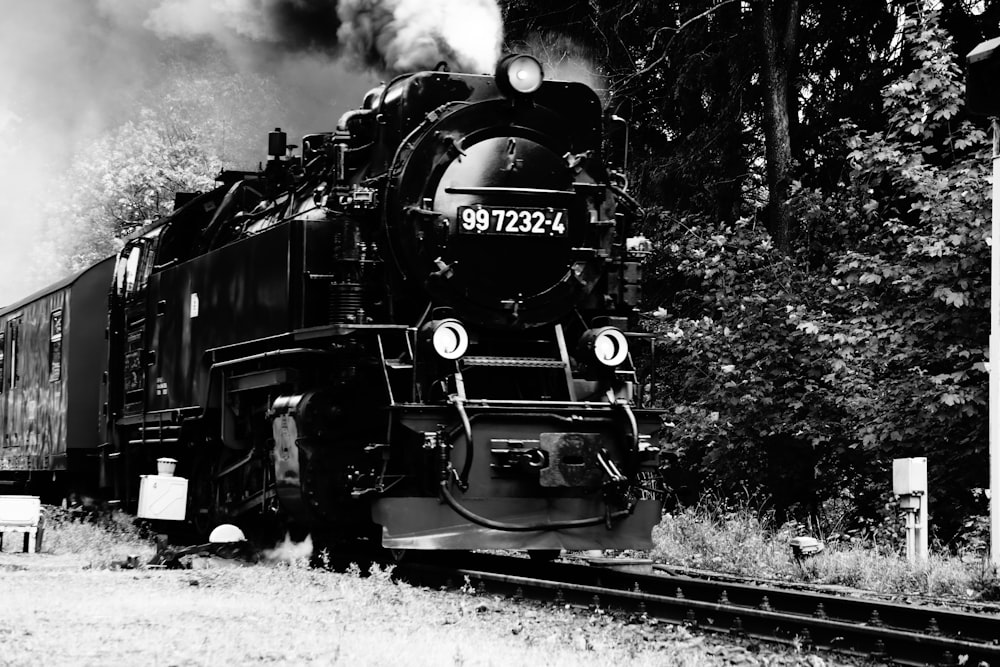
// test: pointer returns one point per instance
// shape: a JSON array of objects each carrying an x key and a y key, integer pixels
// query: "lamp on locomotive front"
[
  {"x": 519, "y": 74},
  {"x": 606, "y": 345},
  {"x": 448, "y": 337}
]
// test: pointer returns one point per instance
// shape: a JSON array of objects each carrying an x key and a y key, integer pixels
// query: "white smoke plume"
[
  {"x": 196, "y": 18},
  {"x": 390, "y": 36},
  {"x": 564, "y": 59},
  {"x": 290, "y": 551},
  {"x": 239, "y": 25},
  {"x": 395, "y": 36}
]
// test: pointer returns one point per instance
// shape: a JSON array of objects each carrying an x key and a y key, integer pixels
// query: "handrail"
[{"x": 500, "y": 190}]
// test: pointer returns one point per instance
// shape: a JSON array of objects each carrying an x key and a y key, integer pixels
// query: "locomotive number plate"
[{"x": 512, "y": 221}]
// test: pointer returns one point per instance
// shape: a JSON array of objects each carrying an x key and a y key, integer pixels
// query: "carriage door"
[{"x": 10, "y": 342}]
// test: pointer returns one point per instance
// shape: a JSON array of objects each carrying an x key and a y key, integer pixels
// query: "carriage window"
[
  {"x": 3, "y": 349},
  {"x": 55, "y": 345}
]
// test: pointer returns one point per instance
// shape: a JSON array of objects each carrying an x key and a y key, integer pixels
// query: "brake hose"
[
  {"x": 463, "y": 479},
  {"x": 633, "y": 424},
  {"x": 526, "y": 528}
]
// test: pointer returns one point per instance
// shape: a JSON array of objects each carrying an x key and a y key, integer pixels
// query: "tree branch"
[{"x": 648, "y": 68}]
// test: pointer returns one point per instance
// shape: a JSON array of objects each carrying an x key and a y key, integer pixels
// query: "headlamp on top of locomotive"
[{"x": 519, "y": 74}]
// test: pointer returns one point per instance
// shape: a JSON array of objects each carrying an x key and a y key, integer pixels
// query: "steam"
[
  {"x": 289, "y": 25},
  {"x": 395, "y": 36},
  {"x": 389, "y": 36},
  {"x": 289, "y": 551},
  {"x": 564, "y": 59}
]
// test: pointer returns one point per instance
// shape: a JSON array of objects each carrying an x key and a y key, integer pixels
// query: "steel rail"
[{"x": 890, "y": 632}]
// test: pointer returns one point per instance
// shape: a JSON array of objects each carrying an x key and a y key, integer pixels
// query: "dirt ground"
[{"x": 55, "y": 611}]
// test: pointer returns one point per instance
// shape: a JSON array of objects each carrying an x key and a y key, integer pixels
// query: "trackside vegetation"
[{"x": 741, "y": 537}]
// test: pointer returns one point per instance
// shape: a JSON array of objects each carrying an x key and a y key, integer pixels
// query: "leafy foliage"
[
  {"x": 868, "y": 343},
  {"x": 918, "y": 279}
]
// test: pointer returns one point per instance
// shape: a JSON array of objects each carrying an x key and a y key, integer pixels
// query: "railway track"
[{"x": 885, "y": 631}]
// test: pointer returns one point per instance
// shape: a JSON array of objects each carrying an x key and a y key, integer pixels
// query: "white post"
[
  {"x": 994, "y": 394},
  {"x": 909, "y": 483},
  {"x": 923, "y": 525}
]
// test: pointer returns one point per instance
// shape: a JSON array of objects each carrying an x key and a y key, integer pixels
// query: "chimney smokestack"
[{"x": 277, "y": 143}]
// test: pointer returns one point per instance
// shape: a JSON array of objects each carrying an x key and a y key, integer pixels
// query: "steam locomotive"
[{"x": 416, "y": 326}]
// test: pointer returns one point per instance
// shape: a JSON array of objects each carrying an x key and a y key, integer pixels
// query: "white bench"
[{"x": 20, "y": 514}]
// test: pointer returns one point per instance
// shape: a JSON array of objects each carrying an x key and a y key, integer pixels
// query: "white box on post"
[
  {"x": 162, "y": 497},
  {"x": 909, "y": 476}
]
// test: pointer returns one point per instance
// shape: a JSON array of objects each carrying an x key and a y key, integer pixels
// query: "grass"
[
  {"x": 738, "y": 537},
  {"x": 742, "y": 538},
  {"x": 283, "y": 612},
  {"x": 289, "y": 615}
]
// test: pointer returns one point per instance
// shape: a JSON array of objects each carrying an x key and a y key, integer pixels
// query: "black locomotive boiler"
[{"x": 417, "y": 324}]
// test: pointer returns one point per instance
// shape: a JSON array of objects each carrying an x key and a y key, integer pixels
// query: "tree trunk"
[
  {"x": 779, "y": 22},
  {"x": 728, "y": 87}
]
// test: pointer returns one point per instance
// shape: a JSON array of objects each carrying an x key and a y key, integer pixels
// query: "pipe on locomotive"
[
  {"x": 527, "y": 528},
  {"x": 463, "y": 478}
]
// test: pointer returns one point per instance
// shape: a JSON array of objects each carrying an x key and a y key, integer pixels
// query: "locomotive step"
[
  {"x": 156, "y": 441},
  {"x": 160, "y": 434},
  {"x": 517, "y": 362}
]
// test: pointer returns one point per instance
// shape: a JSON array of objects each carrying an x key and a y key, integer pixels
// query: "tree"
[
  {"x": 918, "y": 278},
  {"x": 184, "y": 133},
  {"x": 713, "y": 87},
  {"x": 873, "y": 353}
]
